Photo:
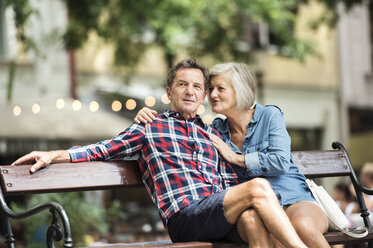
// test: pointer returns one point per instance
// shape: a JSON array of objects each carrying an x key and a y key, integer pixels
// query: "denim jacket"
[{"x": 266, "y": 148}]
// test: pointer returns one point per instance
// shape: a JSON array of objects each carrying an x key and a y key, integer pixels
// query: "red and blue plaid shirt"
[{"x": 178, "y": 162}]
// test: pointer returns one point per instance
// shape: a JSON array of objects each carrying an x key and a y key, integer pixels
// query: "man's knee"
[
  {"x": 259, "y": 187},
  {"x": 260, "y": 192}
]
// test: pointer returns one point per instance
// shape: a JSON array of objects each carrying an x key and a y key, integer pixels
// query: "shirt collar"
[
  {"x": 177, "y": 115},
  {"x": 257, "y": 113}
]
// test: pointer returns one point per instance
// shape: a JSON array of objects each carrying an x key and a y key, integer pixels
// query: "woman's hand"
[
  {"x": 227, "y": 152},
  {"x": 145, "y": 115}
]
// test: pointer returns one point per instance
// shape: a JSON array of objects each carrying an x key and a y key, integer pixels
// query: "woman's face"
[{"x": 222, "y": 94}]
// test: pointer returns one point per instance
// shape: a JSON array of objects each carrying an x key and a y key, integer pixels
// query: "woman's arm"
[
  {"x": 226, "y": 152},
  {"x": 273, "y": 158},
  {"x": 145, "y": 115}
]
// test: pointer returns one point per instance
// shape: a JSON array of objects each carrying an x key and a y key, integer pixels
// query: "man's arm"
[{"x": 42, "y": 159}]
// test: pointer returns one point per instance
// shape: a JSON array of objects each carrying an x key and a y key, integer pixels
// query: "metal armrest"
[
  {"x": 54, "y": 232},
  {"x": 357, "y": 186}
]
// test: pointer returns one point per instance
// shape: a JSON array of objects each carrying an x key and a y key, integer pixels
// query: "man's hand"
[
  {"x": 145, "y": 115},
  {"x": 42, "y": 159},
  {"x": 227, "y": 152}
]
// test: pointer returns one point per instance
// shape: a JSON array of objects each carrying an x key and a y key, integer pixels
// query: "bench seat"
[{"x": 63, "y": 177}]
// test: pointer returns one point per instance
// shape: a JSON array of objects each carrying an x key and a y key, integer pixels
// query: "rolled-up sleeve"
[
  {"x": 252, "y": 161},
  {"x": 123, "y": 146}
]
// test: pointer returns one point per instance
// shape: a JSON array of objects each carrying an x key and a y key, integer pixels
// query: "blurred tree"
[
  {"x": 208, "y": 27},
  {"x": 200, "y": 27},
  {"x": 211, "y": 27}
]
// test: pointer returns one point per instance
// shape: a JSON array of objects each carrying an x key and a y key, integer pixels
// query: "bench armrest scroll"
[
  {"x": 357, "y": 186},
  {"x": 54, "y": 230}
]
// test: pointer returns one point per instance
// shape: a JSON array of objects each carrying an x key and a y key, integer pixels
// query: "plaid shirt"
[{"x": 178, "y": 162}]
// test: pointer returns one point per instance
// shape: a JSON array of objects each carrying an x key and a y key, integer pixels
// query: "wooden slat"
[
  {"x": 108, "y": 175},
  {"x": 162, "y": 244},
  {"x": 321, "y": 163},
  {"x": 70, "y": 177},
  {"x": 331, "y": 237},
  {"x": 102, "y": 175},
  {"x": 339, "y": 238}
]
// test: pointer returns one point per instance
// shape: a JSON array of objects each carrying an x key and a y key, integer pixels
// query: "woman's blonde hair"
[{"x": 242, "y": 80}]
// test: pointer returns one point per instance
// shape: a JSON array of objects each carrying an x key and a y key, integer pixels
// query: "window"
[
  {"x": 305, "y": 139},
  {"x": 361, "y": 120}
]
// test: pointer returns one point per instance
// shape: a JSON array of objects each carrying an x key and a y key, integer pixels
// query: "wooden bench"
[{"x": 122, "y": 174}]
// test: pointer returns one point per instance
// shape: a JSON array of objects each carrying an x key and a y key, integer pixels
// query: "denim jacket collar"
[{"x": 224, "y": 127}]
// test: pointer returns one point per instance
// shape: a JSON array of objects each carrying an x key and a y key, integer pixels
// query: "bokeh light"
[
  {"x": 201, "y": 110},
  {"x": 131, "y": 104},
  {"x": 150, "y": 101},
  {"x": 208, "y": 119},
  {"x": 17, "y": 111},
  {"x": 165, "y": 99},
  {"x": 116, "y": 106},
  {"x": 60, "y": 103},
  {"x": 35, "y": 108},
  {"x": 77, "y": 105},
  {"x": 94, "y": 106}
]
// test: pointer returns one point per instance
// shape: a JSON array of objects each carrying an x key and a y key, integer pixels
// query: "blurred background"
[{"x": 76, "y": 72}]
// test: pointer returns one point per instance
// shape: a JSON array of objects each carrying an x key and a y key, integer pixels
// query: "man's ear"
[{"x": 168, "y": 91}]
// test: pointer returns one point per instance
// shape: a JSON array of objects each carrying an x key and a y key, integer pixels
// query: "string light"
[
  {"x": 116, "y": 106},
  {"x": 150, "y": 101},
  {"x": 17, "y": 111},
  {"x": 35, "y": 108},
  {"x": 165, "y": 99},
  {"x": 76, "y": 105},
  {"x": 94, "y": 106},
  {"x": 60, "y": 103},
  {"x": 131, "y": 104}
]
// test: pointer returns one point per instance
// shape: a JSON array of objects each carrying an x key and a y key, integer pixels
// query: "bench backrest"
[{"x": 113, "y": 174}]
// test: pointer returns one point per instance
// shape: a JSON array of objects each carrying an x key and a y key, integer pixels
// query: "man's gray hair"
[
  {"x": 242, "y": 80},
  {"x": 189, "y": 63}
]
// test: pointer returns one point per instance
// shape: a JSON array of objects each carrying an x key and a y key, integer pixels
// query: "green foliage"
[
  {"x": 210, "y": 27},
  {"x": 22, "y": 13},
  {"x": 197, "y": 27},
  {"x": 12, "y": 71},
  {"x": 85, "y": 217}
]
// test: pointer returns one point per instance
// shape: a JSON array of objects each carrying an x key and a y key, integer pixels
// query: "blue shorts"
[{"x": 203, "y": 220}]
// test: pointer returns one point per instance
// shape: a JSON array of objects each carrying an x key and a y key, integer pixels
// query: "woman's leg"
[{"x": 310, "y": 222}]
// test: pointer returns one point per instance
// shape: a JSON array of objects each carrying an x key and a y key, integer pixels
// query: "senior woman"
[{"x": 256, "y": 142}]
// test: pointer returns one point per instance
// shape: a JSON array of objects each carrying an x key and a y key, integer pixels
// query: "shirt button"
[
  {"x": 264, "y": 169},
  {"x": 258, "y": 149}
]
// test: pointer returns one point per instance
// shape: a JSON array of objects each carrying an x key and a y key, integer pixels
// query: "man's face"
[{"x": 187, "y": 92}]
